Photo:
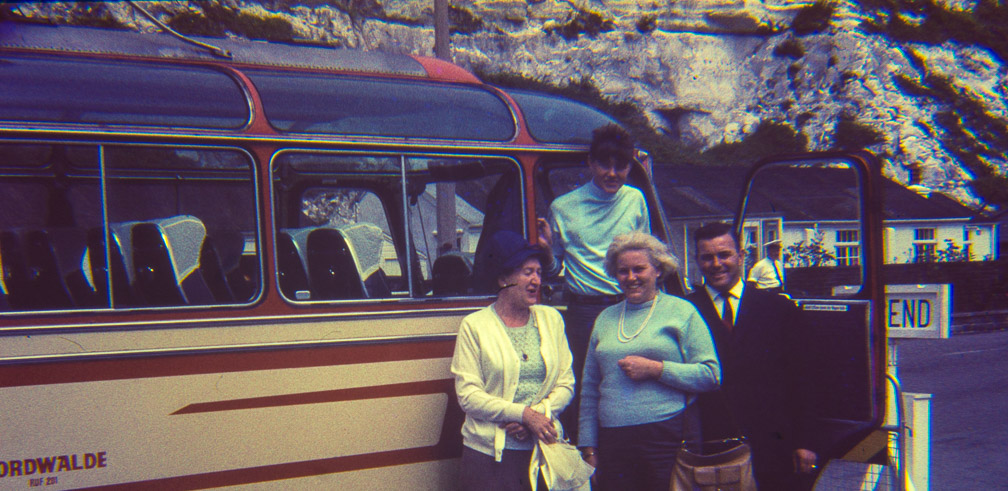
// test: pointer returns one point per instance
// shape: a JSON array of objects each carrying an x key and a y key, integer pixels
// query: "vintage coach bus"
[{"x": 246, "y": 265}]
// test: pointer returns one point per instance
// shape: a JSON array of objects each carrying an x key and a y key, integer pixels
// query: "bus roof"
[
  {"x": 105, "y": 42},
  {"x": 85, "y": 75}
]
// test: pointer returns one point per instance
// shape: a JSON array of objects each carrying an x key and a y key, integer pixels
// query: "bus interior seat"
[
  {"x": 450, "y": 275},
  {"x": 166, "y": 259},
  {"x": 291, "y": 266},
  {"x": 122, "y": 290},
  {"x": 152, "y": 267},
  {"x": 76, "y": 262},
  {"x": 332, "y": 271},
  {"x": 239, "y": 275},
  {"x": 48, "y": 286},
  {"x": 16, "y": 278},
  {"x": 213, "y": 272},
  {"x": 377, "y": 285}
]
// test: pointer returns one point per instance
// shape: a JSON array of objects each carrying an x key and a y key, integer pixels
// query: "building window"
[
  {"x": 848, "y": 249},
  {"x": 924, "y": 234},
  {"x": 924, "y": 245},
  {"x": 846, "y": 236}
]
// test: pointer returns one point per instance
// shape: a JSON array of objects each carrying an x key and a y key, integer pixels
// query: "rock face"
[{"x": 721, "y": 66}]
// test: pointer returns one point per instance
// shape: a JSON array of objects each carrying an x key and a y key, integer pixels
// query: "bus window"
[
  {"x": 336, "y": 225},
  {"x": 820, "y": 248},
  {"x": 349, "y": 227},
  {"x": 81, "y": 91},
  {"x": 455, "y": 202},
  {"x": 183, "y": 227},
  {"x": 327, "y": 104},
  {"x": 51, "y": 250}
]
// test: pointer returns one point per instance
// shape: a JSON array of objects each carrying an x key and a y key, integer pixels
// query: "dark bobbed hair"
[
  {"x": 611, "y": 142},
  {"x": 712, "y": 230}
]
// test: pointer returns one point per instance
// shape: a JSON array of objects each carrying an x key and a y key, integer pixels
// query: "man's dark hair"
[
  {"x": 712, "y": 230},
  {"x": 609, "y": 143}
]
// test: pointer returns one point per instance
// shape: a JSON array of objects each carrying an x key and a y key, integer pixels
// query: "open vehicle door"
[{"x": 826, "y": 210}]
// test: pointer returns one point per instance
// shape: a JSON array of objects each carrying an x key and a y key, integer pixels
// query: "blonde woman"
[{"x": 647, "y": 356}]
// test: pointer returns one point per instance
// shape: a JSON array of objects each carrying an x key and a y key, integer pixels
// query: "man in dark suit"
[{"x": 763, "y": 393}]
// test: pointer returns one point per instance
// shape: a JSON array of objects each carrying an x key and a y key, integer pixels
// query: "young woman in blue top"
[
  {"x": 512, "y": 370},
  {"x": 646, "y": 356}
]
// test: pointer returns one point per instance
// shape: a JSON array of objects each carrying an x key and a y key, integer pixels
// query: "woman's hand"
[
  {"x": 588, "y": 454},
  {"x": 516, "y": 430},
  {"x": 639, "y": 368},
  {"x": 539, "y": 425}
]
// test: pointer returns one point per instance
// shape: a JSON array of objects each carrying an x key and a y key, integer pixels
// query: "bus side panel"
[{"x": 346, "y": 423}]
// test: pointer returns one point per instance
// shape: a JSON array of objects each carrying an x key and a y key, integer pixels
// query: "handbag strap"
[{"x": 741, "y": 438}]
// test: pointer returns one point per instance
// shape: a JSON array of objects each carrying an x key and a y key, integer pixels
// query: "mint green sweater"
[{"x": 676, "y": 335}]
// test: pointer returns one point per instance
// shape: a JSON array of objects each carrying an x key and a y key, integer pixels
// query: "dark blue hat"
[{"x": 508, "y": 250}]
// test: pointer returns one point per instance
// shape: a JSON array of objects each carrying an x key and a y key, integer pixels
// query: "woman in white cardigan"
[{"x": 512, "y": 370}]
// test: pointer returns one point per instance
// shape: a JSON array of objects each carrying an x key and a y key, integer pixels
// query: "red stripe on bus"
[
  {"x": 172, "y": 365},
  {"x": 294, "y": 470},
  {"x": 442, "y": 386}
]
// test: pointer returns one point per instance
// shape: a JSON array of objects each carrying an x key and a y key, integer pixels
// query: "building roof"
[{"x": 796, "y": 194}]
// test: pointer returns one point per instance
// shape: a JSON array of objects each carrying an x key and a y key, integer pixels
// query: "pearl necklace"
[{"x": 621, "y": 332}]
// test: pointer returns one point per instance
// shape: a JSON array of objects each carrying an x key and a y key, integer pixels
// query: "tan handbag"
[{"x": 729, "y": 470}]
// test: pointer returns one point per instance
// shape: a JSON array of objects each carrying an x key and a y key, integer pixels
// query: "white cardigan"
[{"x": 486, "y": 368}]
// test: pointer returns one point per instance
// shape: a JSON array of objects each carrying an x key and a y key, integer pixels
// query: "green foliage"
[
  {"x": 739, "y": 23},
  {"x": 810, "y": 255},
  {"x": 850, "y": 134},
  {"x": 463, "y": 21},
  {"x": 791, "y": 48},
  {"x": 583, "y": 21},
  {"x": 82, "y": 14},
  {"x": 769, "y": 138},
  {"x": 952, "y": 253},
  {"x": 647, "y": 23},
  {"x": 813, "y": 18},
  {"x": 217, "y": 20}
]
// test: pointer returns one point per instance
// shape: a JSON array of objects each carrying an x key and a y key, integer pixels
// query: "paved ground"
[{"x": 968, "y": 377}]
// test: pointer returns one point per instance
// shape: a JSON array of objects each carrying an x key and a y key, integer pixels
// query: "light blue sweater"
[
  {"x": 584, "y": 222},
  {"x": 676, "y": 335}
]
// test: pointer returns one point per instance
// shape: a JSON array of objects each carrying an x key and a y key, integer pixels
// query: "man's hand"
[
  {"x": 544, "y": 238},
  {"x": 639, "y": 368},
  {"x": 804, "y": 461}
]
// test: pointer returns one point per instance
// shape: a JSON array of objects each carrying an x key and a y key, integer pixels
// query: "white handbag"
[{"x": 560, "y": 463}]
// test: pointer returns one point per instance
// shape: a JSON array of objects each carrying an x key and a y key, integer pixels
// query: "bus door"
[{"x": 825, "y": 211}]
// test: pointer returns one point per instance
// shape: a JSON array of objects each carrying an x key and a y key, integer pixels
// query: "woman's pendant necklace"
[{"x": 621, "y": 332}]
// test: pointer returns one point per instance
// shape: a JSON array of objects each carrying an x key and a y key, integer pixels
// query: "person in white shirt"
[{"x": 768, "y": 273}]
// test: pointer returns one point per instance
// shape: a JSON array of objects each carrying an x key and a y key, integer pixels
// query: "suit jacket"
[{"x": 764, "y": 393}]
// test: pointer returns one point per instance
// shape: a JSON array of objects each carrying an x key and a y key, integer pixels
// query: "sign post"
[{"x": 913, "y": 312}]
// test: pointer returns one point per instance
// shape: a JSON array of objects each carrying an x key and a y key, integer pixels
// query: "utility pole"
[{"x": 446, "y": 235}]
